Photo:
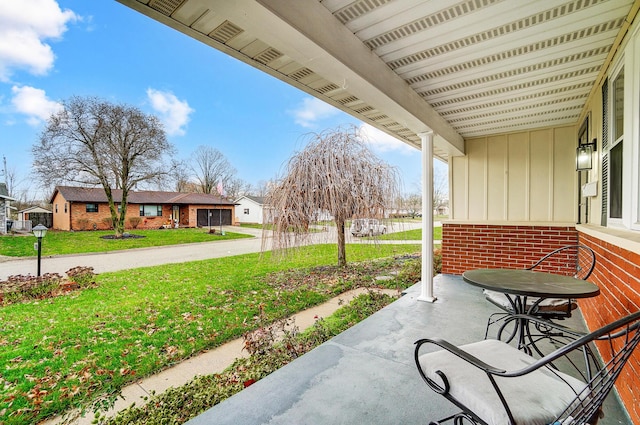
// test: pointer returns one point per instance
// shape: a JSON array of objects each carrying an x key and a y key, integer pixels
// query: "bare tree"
[
  {"x": 260, "y": 189},
  {"x": 440, "y": 188},
  {"x": 236, "y": 187},
  {"x": 413, "y": 204},
  {"x": 180, "y": 176},
  {"x": 210, "y": 168},
  {"x": 96, "y": 143},
  {"x": 337, "y": 173},
  {"x": 12, "y": 180}
]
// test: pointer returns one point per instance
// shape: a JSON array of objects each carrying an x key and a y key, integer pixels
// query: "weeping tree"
[
  {"x": 336, "y": 173},
  {"x": 93, "y": 142}
]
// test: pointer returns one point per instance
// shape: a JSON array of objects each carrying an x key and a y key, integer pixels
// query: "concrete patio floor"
[{"x": 367, "y": 374}]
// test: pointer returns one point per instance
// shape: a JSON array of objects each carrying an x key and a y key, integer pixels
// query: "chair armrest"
[
  {"x": 548, "y": 323},
  {"x": 458, "y": 352}
]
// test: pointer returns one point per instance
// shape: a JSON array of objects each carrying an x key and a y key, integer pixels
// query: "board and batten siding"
[{"x": 524, "y": 177}]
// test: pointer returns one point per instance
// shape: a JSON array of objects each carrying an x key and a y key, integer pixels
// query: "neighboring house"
[
  {"x": 80, "y": 208},
  {"x": 36, "y": 215},
  {"x": 250, "y": 209},
  {"x": 5, "y": 208},
  {"x": 441, "y": 210}
]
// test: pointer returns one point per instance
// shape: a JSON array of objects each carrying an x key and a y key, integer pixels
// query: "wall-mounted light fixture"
[{"x": 584, "y": 156}]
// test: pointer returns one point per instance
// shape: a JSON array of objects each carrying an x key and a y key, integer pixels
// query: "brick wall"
[
  {"x": 617, "y": 273},
  {"x": 472, "y": 246},
  {"x": 83, "y": 220},
  {"x": 60, "y": 213},
  {"x": 74, "y": 216}
]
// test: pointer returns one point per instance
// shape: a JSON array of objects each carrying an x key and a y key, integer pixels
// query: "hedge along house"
[
  {"x": 503, "y": 91},
  {"x": 80, "y": 208}
]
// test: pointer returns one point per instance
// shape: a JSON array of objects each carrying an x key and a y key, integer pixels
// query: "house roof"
[
  {"x": 457, "y": 68},
  {"x": 97, "y": 195},
  {"x": 4, "y": 192},
  {"x": 35, "y": 208},
  {"x": 257, "y": 199}
]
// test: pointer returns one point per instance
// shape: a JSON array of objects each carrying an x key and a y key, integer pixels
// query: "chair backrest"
[
  {"x": 571, "y": 260},
  {"x": 616, "y": 343}
]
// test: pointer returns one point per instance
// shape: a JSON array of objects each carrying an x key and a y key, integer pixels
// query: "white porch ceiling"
[{"x": 457, "y": 68}]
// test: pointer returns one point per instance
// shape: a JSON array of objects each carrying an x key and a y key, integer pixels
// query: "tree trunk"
[
  {"x": 342, "y": 255},
  {"x": 119, "y": 217},
  {"x": 119, "y": 225}
]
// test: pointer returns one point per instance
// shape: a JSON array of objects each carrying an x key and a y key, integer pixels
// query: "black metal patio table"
[{"x": 519, "y": 284}]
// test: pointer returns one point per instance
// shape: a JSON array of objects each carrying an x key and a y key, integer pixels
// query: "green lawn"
[
  {"x": 64, "y": 352},
  {"x": 57, "y": 242},
  {"x": 255, "y": 226},
  {"x": 268, "y": 226}
]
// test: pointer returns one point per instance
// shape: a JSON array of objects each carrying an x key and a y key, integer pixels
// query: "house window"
[
  {"x": 92, "y": 208},
  {"x": 246, "y": 211},
  {"x": 65, "y": 207},
  {"x": 616, "y": 150},
  {"x": 150, "y": 210},
  {"x": 56, "y": 208},
  {"x": 621, "y": 139}
]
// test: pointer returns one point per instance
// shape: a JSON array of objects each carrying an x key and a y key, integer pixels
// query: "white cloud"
[
  {"x": 34, "y": 103},
  {"x": 24, "y": 27},
  {"x": 174, "y": 112},
  {"x": 313, "y": 110},
  {"x": 382, "y": 142}
]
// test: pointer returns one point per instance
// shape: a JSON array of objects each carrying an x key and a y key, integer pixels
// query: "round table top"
[{"x": 531, "y": 283}]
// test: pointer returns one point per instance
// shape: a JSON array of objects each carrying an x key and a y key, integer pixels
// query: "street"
[{"x": 155, "y": 256}]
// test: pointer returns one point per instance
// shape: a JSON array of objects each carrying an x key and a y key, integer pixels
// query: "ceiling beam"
[{"x": 363, "y": 73}]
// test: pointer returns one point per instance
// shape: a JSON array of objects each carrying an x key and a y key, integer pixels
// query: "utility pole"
[{"x": 4, "y": 170}]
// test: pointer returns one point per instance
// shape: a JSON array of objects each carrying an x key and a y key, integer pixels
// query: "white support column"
[{"x": 426, "y": 293}]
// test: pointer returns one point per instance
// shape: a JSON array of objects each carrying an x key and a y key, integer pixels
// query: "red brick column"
[
  {"x": 471, "y": 246},
  {"x": 617, "y": 273}
]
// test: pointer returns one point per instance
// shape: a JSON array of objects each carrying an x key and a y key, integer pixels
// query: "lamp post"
[{"x": 39, "y": 232}]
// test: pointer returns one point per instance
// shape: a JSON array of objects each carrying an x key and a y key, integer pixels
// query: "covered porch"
[
  {"x": 367, "y": 374},
  {"x": 507, "y": 93}
]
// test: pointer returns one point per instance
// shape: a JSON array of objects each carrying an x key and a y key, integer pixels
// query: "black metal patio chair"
[
  {"x": 494, "y": 383},
  {"x": 571, "y": 260}
]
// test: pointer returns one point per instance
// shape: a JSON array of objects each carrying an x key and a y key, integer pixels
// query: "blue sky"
[{"x": 51, "y": 50}]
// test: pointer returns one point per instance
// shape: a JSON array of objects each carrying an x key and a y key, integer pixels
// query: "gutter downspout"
[{"x": 426, "y": 292}]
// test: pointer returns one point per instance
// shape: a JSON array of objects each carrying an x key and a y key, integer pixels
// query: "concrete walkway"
[{"x": 209, "y": 362}]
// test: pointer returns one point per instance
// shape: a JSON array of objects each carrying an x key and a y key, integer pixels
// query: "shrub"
[
  {"x": 437, "y": 261},
  {"x": 83, "y": 223},
  {"x": 134, "y": 222},
  {"x": 412, "y": 270},
  {"x": 20, "y": 287},
  {"x": 82, "y": 276},
  {"x": 108, "y": 222}
]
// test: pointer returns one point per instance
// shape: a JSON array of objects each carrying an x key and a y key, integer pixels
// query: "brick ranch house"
[{"x": 81, "y": 208}]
